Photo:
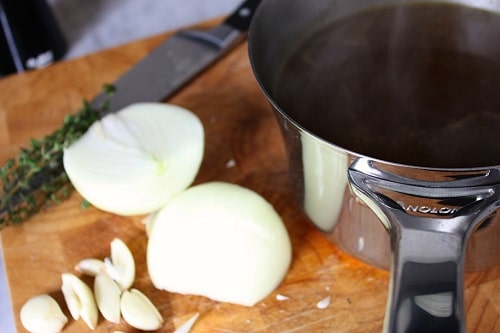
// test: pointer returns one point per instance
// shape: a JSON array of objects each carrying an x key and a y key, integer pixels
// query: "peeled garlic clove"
[
  {"x": 107, "y": 296},
  {"x": 72, "y": 301},
  {"x": 133, "y": 161},
  {"x": 139, "y": 312},
  {"x": 221, "y": 241},
  {"x": 42, "y": 314},
  {"x": 79, "y": 296},
  {"x": 121, "y": 266},
  {"x": 90, "y": 267}
]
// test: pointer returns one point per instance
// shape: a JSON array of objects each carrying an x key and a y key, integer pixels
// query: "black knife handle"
[{"x": 240, "y": 19}]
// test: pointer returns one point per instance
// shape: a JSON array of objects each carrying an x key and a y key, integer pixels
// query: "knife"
[
  {"x": 165, "y": 70},
  {"x": 178, "y": 60}
]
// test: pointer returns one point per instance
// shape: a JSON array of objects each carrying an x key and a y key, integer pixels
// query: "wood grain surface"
[{"x": 240, "y": 128}]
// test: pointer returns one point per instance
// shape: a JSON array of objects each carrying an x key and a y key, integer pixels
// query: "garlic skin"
[
  {"x": 133, "y": 161},
  {"x": 221, "y": 241},
  {"x": 186, "y": 327},
  {"x": 42, "y": 314},
  {"x": 79, "y": 299},
  {"x": 139, "y": 312}
]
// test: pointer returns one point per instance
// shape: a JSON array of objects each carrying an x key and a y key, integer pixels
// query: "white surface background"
[{"x": 92, "y": 25}]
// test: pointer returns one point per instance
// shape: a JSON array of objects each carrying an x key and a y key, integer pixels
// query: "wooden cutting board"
[{"x": 243, "y": 146}]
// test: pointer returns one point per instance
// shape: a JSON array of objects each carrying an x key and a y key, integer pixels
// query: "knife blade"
[
  {"x": 169, "y": 67},
  {"x": 178, "y": 60}
]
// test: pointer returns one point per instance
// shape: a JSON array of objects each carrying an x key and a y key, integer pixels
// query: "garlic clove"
[
  {"x": 80, "y": 299},
  {"x": 121, "y": 266},
  {"x": 90, "y": 266},
  {"x": 72, "y": 301},
  {"x": 42, "y": 314},
  {"x": 107, "y": 296},
  {"x": 139, "y": 312}
]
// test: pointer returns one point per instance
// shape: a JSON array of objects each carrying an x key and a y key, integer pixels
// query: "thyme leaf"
[{"x": 35, "y": 178}]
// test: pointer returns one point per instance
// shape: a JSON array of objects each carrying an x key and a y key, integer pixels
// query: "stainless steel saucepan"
[{"x": 390, "y": 115}]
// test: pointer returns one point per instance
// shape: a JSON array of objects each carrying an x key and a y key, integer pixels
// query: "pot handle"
[{"x": 428, "y": 243}]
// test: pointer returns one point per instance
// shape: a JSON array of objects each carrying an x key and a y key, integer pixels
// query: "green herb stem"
[{"x": 35, "y": 177}]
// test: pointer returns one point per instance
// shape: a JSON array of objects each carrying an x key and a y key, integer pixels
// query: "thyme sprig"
[{"x": 35, "y": 178}]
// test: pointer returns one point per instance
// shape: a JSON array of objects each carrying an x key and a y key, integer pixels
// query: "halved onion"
[
  {"x": 221, "y": 241},
  {"x": 133, "y": 161}
]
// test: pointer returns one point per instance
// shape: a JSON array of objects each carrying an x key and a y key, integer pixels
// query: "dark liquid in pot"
[{"x": 415, "y": 84}]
